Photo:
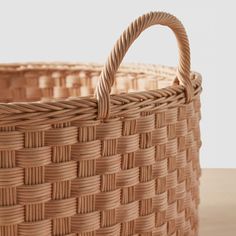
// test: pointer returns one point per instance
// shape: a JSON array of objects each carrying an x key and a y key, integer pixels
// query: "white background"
[{"x": 74, "y": 30}]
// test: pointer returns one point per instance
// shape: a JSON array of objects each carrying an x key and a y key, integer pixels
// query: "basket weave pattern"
[{"x": 132, "y": 171}]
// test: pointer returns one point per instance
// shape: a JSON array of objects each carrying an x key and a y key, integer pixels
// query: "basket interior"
[{"x": 49, "y": 82}]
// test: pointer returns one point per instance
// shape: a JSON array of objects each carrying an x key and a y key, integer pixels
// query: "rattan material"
[{"x": 120, "y": 164}]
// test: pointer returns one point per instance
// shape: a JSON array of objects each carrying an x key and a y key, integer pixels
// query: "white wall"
[{"x": 74, "y": 30}]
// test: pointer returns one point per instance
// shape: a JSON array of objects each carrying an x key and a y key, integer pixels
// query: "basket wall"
[{"x": 134, "y": 174}]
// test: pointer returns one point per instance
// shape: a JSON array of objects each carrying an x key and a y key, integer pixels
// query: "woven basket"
[{"x": 119, "y": 164}]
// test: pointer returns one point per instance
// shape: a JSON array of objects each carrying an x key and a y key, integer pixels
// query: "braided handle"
[{"x": 122, "y": 45}]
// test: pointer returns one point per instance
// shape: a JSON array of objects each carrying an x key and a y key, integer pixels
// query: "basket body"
[{"x": 65, "y": 172}]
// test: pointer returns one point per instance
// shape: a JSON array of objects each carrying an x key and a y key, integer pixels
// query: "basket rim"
[{"x": 165, "y": 97}]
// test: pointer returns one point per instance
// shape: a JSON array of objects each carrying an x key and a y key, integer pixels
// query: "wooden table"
[{"x": 218, "y": 202}]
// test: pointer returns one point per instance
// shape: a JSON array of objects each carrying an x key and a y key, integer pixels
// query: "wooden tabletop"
[{"x": 218, "y": 202}]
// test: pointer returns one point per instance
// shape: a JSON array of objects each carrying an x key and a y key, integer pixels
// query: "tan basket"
[{"x": 120, "y": 164}]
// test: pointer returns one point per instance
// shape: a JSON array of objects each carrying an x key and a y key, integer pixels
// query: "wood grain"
[{"x": 218, "y": 202}]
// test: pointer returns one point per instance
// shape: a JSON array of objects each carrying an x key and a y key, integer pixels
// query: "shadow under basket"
[{"x": 90, "y": 150}]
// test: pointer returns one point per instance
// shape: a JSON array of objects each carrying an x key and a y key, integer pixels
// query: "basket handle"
[{"x": 122, "y": 45}]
